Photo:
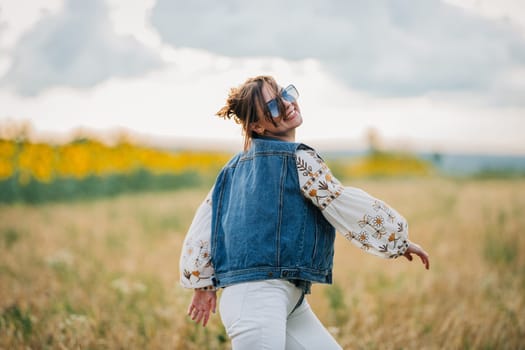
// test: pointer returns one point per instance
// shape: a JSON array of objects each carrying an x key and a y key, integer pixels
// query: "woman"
[{"x": 266, "y": 230}]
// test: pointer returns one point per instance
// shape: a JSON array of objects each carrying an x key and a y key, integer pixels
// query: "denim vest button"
[{"x": 270, "y": 274}]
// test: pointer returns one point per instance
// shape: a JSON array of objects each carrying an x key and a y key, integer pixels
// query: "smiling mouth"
[{"x": 291, "y": 115}]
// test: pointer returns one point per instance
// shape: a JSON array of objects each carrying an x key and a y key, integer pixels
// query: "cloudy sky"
[{"x": 426, "y": 74}]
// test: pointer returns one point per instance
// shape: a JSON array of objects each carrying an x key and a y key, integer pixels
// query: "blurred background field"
[
  {"x": 103, "y": 274},
  {"x": 90, "y": 237},
  {"x": 85, "y": 166}
]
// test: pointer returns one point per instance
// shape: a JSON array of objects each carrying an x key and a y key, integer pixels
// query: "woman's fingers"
[
  {"x": 202, "y": 315},
  {"x": 199, "y": 315},
  {"x": 213, "y": 304},
  {"x": 191, "y": 307},
  {"x": 424, "y": 259},
  {"x": 201, "y": 305},
  {"x": 416, "y": 249},
  {"x": 423, "y": 256},
  {"x": 206, "y": 318},
  {"x": 194, "y": 313}
]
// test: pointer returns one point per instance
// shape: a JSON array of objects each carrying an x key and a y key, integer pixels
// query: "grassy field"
[{"x": 104, "y": 274}]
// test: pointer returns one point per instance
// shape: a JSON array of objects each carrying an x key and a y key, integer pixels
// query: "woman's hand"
[
  {"x": 416, "y": 249},
  {"x": 201, "y": 304}
]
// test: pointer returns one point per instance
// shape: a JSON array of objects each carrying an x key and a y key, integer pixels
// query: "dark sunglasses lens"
[{"x": 274, "y": 108}]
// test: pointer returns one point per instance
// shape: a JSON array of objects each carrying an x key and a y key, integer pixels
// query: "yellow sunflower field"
[{"x": 35, "y": 172}]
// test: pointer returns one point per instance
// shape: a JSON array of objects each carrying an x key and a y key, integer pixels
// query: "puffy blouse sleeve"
[
  {"x": 196, "y": 269},
  {"x": 367, "y": 222}
]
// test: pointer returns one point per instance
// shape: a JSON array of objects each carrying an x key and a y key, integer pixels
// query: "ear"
[{"x": 257, "y": 128}]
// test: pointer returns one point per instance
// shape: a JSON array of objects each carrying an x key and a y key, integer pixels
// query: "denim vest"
[{"x": 262, "y": 226}]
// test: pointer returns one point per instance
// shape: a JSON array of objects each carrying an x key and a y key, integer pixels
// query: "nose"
[
  {"x": 286, "y": 102},
  {"x": 288, "y": 106}
]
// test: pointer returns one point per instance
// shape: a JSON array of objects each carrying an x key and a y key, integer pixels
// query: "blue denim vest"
[{"x": 262, "y": 226}]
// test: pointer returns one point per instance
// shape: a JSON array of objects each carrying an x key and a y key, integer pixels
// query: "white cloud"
[
  {"x": 383, "y": 47},
  {"x": 18, "y": 16},
  {"x": 511, "y": 11},
  {"x": 131, "y": 18},
  {"x": 77, "y": 48}
]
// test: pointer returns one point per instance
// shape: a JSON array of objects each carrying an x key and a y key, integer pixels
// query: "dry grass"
[{"x": 103, "y": 274}]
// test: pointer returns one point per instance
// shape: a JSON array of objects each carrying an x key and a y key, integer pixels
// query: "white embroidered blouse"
[{"x": 365, "y": 221}]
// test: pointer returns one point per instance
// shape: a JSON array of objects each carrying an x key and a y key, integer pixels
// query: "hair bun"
[{"x": 229, "y": 109}]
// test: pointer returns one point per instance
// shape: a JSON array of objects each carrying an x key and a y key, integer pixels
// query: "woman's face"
[{"x": 287, "y": 122}]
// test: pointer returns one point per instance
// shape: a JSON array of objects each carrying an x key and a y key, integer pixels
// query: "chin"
[{"x": 299, "y": 120}]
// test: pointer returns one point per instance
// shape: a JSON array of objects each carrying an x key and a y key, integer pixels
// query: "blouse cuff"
[{"x": 210, "y": 288}]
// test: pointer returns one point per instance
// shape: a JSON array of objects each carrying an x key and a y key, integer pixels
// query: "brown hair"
[{"x": 245, "y": 104}]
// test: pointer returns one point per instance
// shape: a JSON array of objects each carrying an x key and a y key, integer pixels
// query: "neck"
[{"x": 287, "y": 137}]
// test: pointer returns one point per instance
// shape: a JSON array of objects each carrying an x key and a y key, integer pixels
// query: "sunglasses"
[{"x": 289, "y": 94}]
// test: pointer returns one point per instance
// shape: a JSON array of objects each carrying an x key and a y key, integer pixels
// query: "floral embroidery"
[
  {"x": 376, "y": 223},
  {"x": 365, "y": 246},
  {"x": 304, "y": 167},
  {"x": 367, "y": 222},
  {"x": 378, "y": 205},
  {"x": 196, "y": 266},
  {"x": 200, "y": 267},
  {"x": 320, "y": 187},
  {"x": 363, "y": 237}
]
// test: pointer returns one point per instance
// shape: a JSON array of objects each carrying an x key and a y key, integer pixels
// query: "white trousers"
[{"x": 260, "y": 315}]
